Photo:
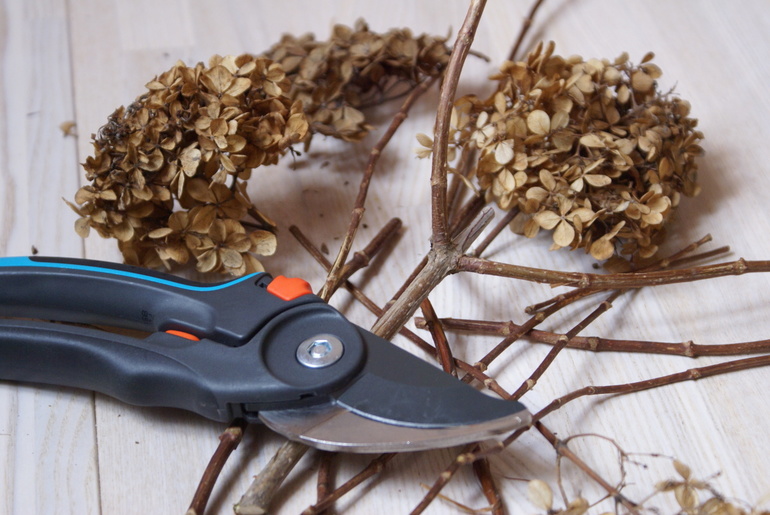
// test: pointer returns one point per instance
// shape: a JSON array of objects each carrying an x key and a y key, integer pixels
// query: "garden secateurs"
[{"x": 260, "y": 348}]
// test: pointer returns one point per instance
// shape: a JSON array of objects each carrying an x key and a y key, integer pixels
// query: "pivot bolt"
[{"x": 320, "y": 351}]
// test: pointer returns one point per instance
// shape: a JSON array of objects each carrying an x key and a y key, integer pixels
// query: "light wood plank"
[
  {"x": 48, "y": 442},
  {"x": 149, "y": 461}
]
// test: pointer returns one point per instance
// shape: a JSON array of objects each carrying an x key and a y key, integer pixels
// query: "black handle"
[
  {"x": 145, "y": 372},
  {"x": 262, "y": 327},
  {"x": 99, "y": 293}
]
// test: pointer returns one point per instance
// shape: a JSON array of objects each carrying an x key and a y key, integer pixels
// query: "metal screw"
[{"x": 320, "y": 351}]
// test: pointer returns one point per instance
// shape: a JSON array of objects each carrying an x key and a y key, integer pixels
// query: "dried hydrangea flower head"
[
  {"x": 590, "y": 150},
  {"x": 190, "y": 142},
  {"x": 169, "y": 173},
  {"x": 356, "y": 68}
]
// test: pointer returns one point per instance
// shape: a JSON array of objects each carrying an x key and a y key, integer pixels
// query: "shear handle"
[
  {"x": 164, "y": 370},
  {"x": 93, "y": 292},
  {"x": 141, "y": 372}
]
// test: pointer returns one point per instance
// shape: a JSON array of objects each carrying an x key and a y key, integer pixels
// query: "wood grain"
[{"x": 67, "y": 451}]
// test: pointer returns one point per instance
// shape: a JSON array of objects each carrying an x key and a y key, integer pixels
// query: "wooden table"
[{"x": 67, "y": 451}]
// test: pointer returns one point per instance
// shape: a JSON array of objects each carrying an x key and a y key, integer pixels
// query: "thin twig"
[
  {"x": 692, "y": 374},
  {"x": 563, "y": 342},
  {"x": 466, "y": 456},
  {"x": 438, "y": 178},
  {"x": 362, "y": 258},
  {"x": 611, "y": 281},
  {"x": 599, "y": 344},
  {"x": 441, "y": 262},
  {"x": 357, "y": 213},
  {"x": 257, "y": 499},
  {"x": 464, "y": 216},
  {"x": 457, "y": 184},
  {"x": 488, "y": 486},
  {"x": 325, "y": 482},
  {"x": 228, "y": 442},
  {"x": 495, "y": 232},
  {"x": 675, "y": 259},
  {"x": 524, "y": 29},
  {"x": 439, "y": 337},
  {"x": 376, "y": 466},
  {"x": 562, "y": 450}
]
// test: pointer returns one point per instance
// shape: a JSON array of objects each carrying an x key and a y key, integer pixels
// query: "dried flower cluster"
[
  {"x": 590, "y": 150},
  {"x": 354, "y": 69},
  {"x": 169, "y": 173},
  {"x": 191, "y": 142}
]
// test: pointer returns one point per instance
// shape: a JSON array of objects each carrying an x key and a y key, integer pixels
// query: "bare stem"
[
  {"x": 562, "y": 343},
  {"x": 488, "y": 486},
  {"x": 441, "y": 262},
  {"x": 611, "y": 281},
  {"x": 495, "y": 232},
  {"x": 257, "y": 499},
  {"x": 375, "y": 467},
  {"x": 439, "y": 337},
  {"x": 438, "y": 178},
  {"x": 228, "y": 442},
  {"x": 667, "y": 262},
  {"x": 465, "y": 457},
  {"x": 325, "y": 483},
  {"x": 524, "y": 29},
  {"x": 363, "y": 257},
  {"x": 563, "y": 450},
  {"x": 333, "y": 278},
  {"x": 692, "y": 374},
  {"x": 598, "y": 344}
]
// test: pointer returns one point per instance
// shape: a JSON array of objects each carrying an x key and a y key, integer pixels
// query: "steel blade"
[
  {"x": 398, "y": 403},
  {"x": 333, "y": 428}
]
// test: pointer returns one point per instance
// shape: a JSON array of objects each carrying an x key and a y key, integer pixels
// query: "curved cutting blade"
[
  {"x": 399, "y": 403},
  {"x": 333, "y": 428}
]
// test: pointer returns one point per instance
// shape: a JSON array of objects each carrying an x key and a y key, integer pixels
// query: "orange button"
[
  {"x": 184, "y": 335},
  {"x": 289, "y": 288}
]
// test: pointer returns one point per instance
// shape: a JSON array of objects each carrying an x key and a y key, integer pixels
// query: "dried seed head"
[
  {"x": 168, "y": 174},
  {"x": 603, "y": 154}
]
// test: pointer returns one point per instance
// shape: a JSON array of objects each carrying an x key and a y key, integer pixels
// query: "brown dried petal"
[
  {"x": 592, "y": 140},
  {"x": 596, "y": 180},
  {"x": 82, "y": 227},
  {"x": 547, "y": 219},
  {"x": 564, "y": 234},
  {"x": 160, "y": 233},
  {"x": 504, "y": 152},
  {"x": 540, "y": 494},
  {"x": 189, "y": 159},
  {"x": 264, "y": 243},
  {"x": 539, "y": 122},
  {"x": 641, "y": 81}
]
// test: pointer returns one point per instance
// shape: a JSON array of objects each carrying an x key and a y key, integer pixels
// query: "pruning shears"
[{"x": 257, "y": 347}]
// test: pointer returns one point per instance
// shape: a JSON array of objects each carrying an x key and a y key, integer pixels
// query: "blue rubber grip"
[
  {"x": 118, "y": 270},
  {"x": 99, "y": 293}
]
